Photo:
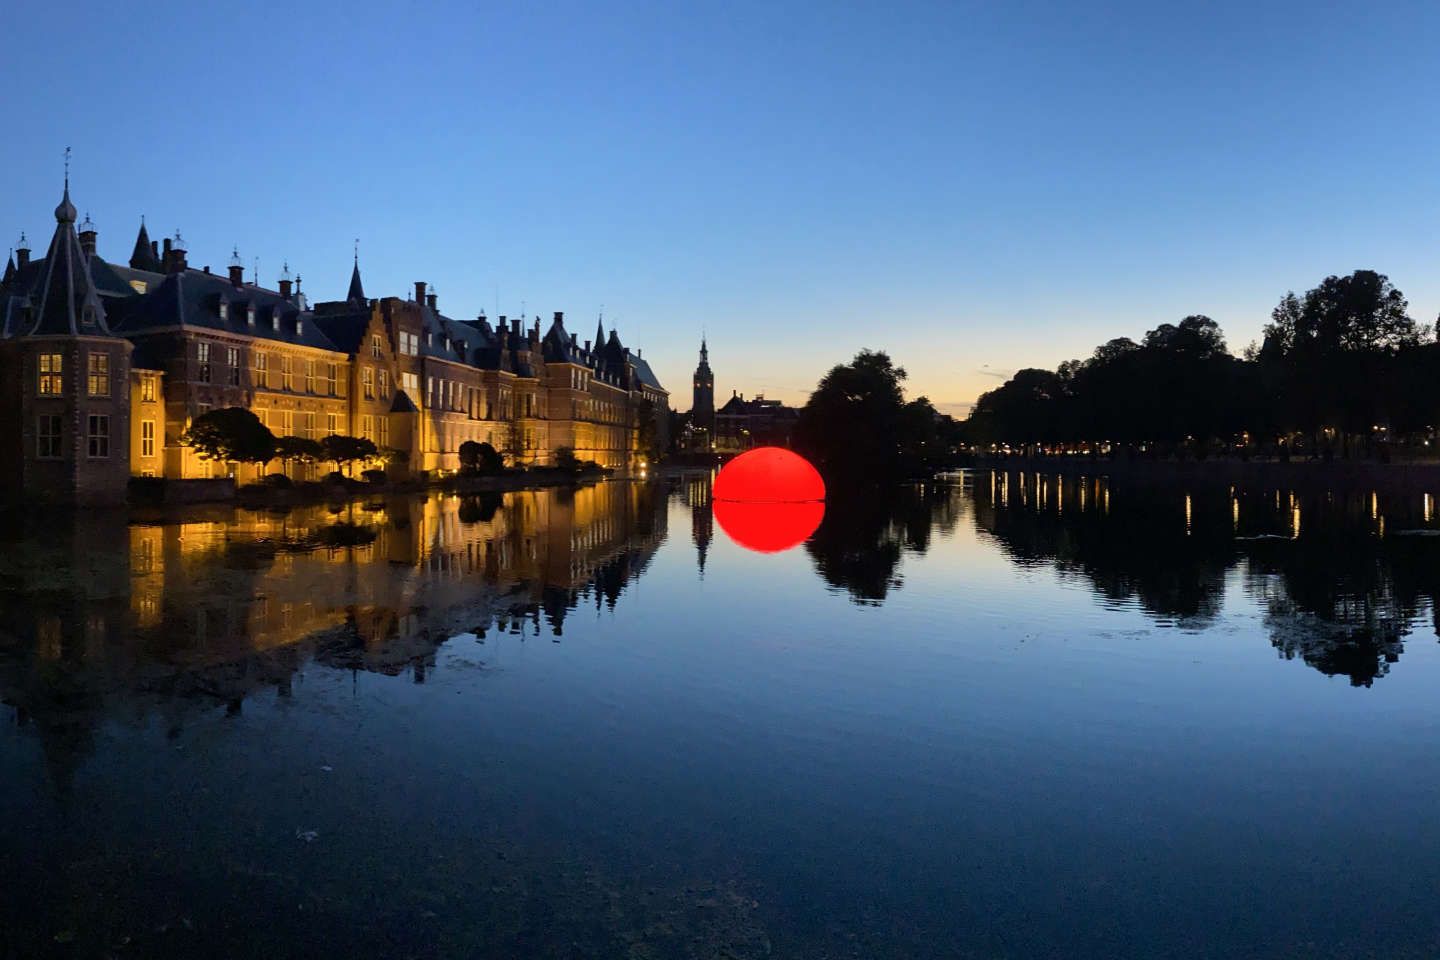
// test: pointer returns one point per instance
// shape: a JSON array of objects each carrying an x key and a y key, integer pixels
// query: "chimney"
[
  {"x": 22, "y": 253},
  {"x": 87, "y": 237},
  {"x": 572, "y": 339},
  {"x": 419, "y": 291},
  {"x": 430, "y": 302},
  {"x": 175, "y": 255},
  {"x": 587, "y": 346},
  {"x": 237, "y": 275},
  {"x": 285, "y": 288},
  {"x": 155, "y": 249},
  {"x": 206, "y": 268}
]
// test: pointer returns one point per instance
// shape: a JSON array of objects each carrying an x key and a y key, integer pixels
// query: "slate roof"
[
  {"x": 143, "y": 256},
  {"x": 65, "y": 301},
  {"x": 193, "y": 298}
]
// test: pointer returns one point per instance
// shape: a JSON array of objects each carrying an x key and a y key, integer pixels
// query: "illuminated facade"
[{"x": 170, "y": 342}]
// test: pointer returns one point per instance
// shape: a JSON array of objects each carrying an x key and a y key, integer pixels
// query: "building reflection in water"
[
  {"x": 107, "y": 620},
  {"x": 1341, "y": 577}
]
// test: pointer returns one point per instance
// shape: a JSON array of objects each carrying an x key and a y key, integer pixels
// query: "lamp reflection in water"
[{"x": 769, "y": 499}]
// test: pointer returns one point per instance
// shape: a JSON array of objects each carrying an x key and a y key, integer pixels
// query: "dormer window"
[
  {"x": 224, "y": 311},
  {"x": 250, "y": 315},
  {"x": 299, "y": 328}
]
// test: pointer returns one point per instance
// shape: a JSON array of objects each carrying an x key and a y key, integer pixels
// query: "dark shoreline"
[{"x": 1295, "y": 474}]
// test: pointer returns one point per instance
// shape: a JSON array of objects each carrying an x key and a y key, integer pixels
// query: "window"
[
  {"x": 367, "y": 427},
  {"x": 433, "y": 383},
  {"x": 147, "y": 438},
  {"x": 409, "y": 344},
  {"x": 309, "y": 376},
  {"x": 232, "y": 360},
  {"x": 384, "y": 384},
  {"x": 202, "y": 356},
  {"x": 287, "y": 423},
  {"x": 224, "y": 311},
  {"x": 262, "y": 369},
  {"x": 98, "y": 380},
  {"x": 375, "y": 346},
  {"x": 309, "y": 428},
  {"x": 52, "y": 374},
  {"x": 367, "y": 382},
  {"x": 411, "y": 383},
  {"x": 47, "y": 436},
  {"x": 287, "y": 379},
  {"x": 332, "y": 424},
  {"x": 331, "y": 376},
  {"x": 147, "y": 388},
  {"x": 384, "y": 438},
  {"x": 99, "y": 435}
]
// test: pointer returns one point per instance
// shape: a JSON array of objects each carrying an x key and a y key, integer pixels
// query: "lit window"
[
  {"x": 309, "y": 429},
  {"x": 262, "y": 369},
  {"x": 52, "y": 374},
  {"x": 367, "y": 382},
  {"x": 232, "y": 360},
  {"x": 147, "y": 389},
  {"x": 412, "y": 384},
  {"x": 287, "y": 423},
  {"x": 98, "y": 380},
  {"x": 375, "y": 346},
  {"x": 287, "y": 378},
  {"x": 147, "y": 438},
  {"x": 367, "y": 427},
  {"x": 47, "y": 436},
  {"x": 332, "y": 424},
  {"x": 309, "y": 376},
  {"x": 99, "y": 436},
  {"x": 202, "y": 355},
  {"x": 384, "y": 439},
  {"x": 331, "y": 378},
  {"x": 384, "y": 384}
]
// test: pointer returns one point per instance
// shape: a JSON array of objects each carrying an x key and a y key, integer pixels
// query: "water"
[{"x": 999, "y": 716}]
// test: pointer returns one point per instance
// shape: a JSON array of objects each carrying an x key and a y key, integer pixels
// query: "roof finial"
[
  {"x": 235, "y": 260},
  {"x": 357, "y": 251},
  {"x": 67, "y": 169}
]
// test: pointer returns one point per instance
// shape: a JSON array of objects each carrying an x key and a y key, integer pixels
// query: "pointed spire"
[
  {"x": 9, "y": 268},
  {"x": 143, "y": 256},
  {"x": 600, "y": 332},
  {"x": 68, "y": 303},
  {"x": 357, "y": 289}
]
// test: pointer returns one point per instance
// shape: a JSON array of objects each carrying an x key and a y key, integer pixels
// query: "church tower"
[{"x": 702, "y": 406}]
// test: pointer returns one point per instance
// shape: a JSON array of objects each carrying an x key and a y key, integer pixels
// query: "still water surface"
[{"x": 999, "y": 716}]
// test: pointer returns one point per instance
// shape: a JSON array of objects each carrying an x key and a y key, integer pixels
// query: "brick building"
[{"x": 108, "y": 364}]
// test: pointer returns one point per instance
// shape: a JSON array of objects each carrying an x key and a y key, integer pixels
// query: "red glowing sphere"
[
  {"x": 768, "y": 527},
  {"x": 769, "y": 475}
]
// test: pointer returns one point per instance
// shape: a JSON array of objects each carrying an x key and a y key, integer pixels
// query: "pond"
[{"x": 996, "y": 715}]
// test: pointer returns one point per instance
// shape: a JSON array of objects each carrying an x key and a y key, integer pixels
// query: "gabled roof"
[{"x": 67, "y": 303}]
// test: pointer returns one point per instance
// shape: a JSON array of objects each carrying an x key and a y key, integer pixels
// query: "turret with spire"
[
  {"x": 67, "y": 301},
  {"x": 143, "y": 257},
  {"x": 357, "y": 290}
]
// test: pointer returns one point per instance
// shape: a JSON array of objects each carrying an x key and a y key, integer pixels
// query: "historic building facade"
[{"x": 107, "y": 364}]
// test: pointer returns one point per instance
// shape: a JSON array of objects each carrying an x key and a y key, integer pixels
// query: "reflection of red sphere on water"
[
  {"x": 768, "y": 527},
  {"x": 769, "y": 499},
  {"x": 769, "y": 474}
]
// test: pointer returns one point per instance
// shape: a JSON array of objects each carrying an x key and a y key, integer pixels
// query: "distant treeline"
[{"x": 1343, "y": 370}]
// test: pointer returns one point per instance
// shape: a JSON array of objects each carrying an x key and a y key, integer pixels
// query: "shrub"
[
  {"x": 277, "y": 481},
  {"x": 374, "y": 476}
]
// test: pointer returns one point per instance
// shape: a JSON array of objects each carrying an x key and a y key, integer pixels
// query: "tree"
[
  {"x": 566, "y": 460},
  {"x": 232, "y": 435},
  {"x": 469, "y": 456},
  {"x": 851, "y": 427},
  {"x": 343, "y": 451},
  {"x": 298, "y": 450},
  {"x": 647, "y": 430}
]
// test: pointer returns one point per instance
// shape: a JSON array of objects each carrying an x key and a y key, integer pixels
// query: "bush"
[
  {"x": 374, "y": 476},
  {"x": 335, "y": 476},
  {"x": 277, "y": 481},
  {"x": 566, "y": 460}
]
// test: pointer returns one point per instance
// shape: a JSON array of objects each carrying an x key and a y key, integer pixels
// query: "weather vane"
[{"x": 67, "y": 168}]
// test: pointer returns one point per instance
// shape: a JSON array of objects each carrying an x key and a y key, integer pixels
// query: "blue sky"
[{"x": 973, "y": 188}]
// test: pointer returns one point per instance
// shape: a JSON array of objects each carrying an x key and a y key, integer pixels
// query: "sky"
[{"x": 973, "y": 188}]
